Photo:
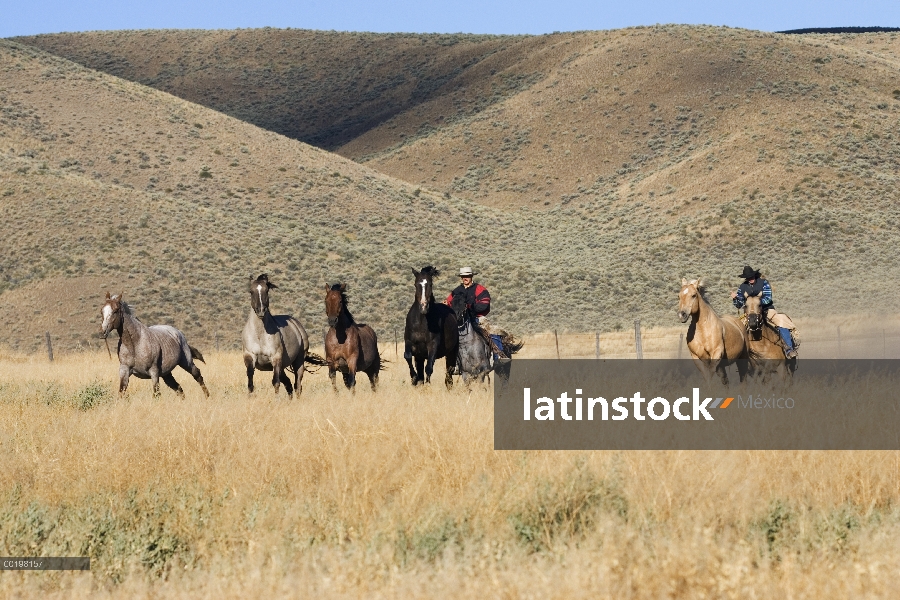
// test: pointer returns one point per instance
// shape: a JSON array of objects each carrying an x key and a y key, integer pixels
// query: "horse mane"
[
  {"x": 429, "y": 270},
  {"x": 263, "y": 277},
  {"x": 126, "y": 308},
  {"x": 336, "y": 287}
]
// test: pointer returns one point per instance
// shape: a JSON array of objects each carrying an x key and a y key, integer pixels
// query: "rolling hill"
[{"x": 582, "y": 209}]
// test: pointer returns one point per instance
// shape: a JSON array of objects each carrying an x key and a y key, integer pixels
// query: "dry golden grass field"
[{"x": 399, "y": 494}]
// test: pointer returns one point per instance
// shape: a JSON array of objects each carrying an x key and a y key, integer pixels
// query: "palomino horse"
[
  {"x": 474, "y": 351},
  {"x": 273, "y": 342},
  {"x": 430, "y": 331},
  {"x": 715, "y": 342},
  {"x": 349, "y": 346},
  {"x": 148, "y": 352},
  {"x": 766, "y": 348}
]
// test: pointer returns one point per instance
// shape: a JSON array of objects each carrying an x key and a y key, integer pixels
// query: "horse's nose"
[{"x": 332, "y": 321}]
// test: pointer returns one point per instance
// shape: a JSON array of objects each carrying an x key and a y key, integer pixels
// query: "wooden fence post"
[
  {"x": 597, "y": 344},
  {"x": 637, "y": 339},
  {"x": 556, "y": 337},
  {"x": 680, "y": 344},
  {"x": 49, "y": 346}
]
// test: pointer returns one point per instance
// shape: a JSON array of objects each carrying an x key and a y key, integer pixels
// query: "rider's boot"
[{"x": 789, "y": 350}]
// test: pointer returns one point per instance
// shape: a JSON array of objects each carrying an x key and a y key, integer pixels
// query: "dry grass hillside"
[{"x": 106, "y": 183}]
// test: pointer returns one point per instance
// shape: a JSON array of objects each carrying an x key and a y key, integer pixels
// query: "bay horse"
[
  {"x": 765, "y": 344},
  {"x": 350, "y": 347},
  {"x": 274, "y": 342},
  {"x": 430, "y": 331},
  {"x": 148, "y": 352},
  {"x": 474, "y": 359},
  {"x": 714, "y": 342}
]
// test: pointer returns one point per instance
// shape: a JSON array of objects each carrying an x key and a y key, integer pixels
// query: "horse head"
[
  {"x": 259, "y": 294},
  {"x": 458, "y": 304},
  {"x": 111, "y": 314},
  {"x": 335, "y": 302},
  {"x": 753, "y": 311},
  {"x": 424, "y": 290},
  {"x": 689, "y": 298}
]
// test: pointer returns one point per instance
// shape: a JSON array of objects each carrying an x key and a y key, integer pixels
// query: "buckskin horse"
[
  {"x": 714, "y": 342},
  {"x": 148, "y": 352},
  {"x": 274, "y": 342},
  {"x": 350, "y": 347},
  {"x": 430, "y": 331},
  {"x": 765, "y": 344}
]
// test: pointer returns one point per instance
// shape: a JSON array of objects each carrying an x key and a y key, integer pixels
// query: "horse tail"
[
  {"x": 381, "y": 364},
  {"x": 511, "y": 345},
  {"x": 314, "y": 359},
  {"x": 196, "y": 354}
]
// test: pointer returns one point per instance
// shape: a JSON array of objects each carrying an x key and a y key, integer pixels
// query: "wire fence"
[{"x": 829, "y": 342}]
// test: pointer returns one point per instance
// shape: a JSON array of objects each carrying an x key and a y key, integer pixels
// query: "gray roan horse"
[
  {"x": 766, "y": 348},
  {"x": 273, "y": 342},
  {"x": 474, "y": 351},
  {"x": 430, "y": 331},
  {"x": 350, "y": 347},
  {"x": 148, "y": 352}
]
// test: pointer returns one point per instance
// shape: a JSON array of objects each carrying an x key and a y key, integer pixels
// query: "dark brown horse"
[
  {"x": 430, "y": 331},
  {"x": 148, "y": 352},
  {"x": 350, "y": 347}
]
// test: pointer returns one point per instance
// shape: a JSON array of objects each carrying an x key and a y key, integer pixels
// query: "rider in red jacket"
[{"x": 478, "y": 299}]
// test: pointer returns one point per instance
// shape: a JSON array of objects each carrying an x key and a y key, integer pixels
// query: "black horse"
[{"x": 430, "y": 331}]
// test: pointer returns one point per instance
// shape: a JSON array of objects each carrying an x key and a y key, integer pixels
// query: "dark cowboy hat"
[{"x": 749, "y": 273}]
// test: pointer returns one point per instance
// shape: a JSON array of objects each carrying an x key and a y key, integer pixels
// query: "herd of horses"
[
  {"x": 280, "y": 344},
  {"x": 434, "y": 330}
]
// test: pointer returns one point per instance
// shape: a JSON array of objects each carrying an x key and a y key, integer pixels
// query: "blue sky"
[{"x": 24, "y": 17}]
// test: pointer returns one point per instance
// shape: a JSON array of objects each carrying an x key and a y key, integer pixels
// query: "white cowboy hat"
[{"x": 467, "y": 272}]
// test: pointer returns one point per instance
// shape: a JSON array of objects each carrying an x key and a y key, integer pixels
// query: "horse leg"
[
  {"x": 352, "y": 365},
  {"x": 195, "y": 373},
  {"x": 170, "y": 381},
  {"x": 248, "y": 362},
  {"x": 332, "y": 374},
  {"x": 287, "y": 384},
  {"x": 450, "y": 361},
  {"x": 348, "y": 381},
  {"x": 298, "y": 377},
  {"x": 277, "y": 373},
  {"x": 420, "y": 366},
  {"x": 154, "y": 379},
  {"x": 407, "y": 354},
  {"x": 743, "y": 366},
  {"x": 124, "y": 376}
]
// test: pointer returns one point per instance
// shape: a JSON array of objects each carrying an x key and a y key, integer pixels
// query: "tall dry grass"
[{"x": 400, "y": 494}]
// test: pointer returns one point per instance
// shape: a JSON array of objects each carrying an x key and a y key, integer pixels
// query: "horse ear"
[
  {"x": 416, "y": 273},
  {"x": 107, "y": 295},
  {"x": 327, "y": 287},
  {"x": 684, "y": 282},
  {"x": 271, "y": 286},
  {"x": 343, "y": 287},
  {"x": 701, "y": 284}
]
